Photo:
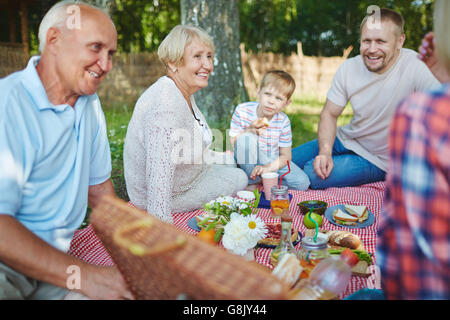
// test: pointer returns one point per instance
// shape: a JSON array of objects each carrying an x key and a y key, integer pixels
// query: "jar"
[
  {"x": 279, "y": 202},
  {"x": 311, "y": 253}
]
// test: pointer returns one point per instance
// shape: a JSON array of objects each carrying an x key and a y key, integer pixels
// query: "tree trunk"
[{"x": 226, "y": 84}]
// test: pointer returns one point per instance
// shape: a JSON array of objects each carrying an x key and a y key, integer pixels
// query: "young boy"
[{"x": 261, "y": 133}]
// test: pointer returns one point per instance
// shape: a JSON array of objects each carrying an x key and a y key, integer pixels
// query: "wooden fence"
[
  {"x": 134, "y": 72},
  {"x": 13, "y": 57}
]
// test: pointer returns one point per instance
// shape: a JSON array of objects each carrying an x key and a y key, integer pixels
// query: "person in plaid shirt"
[{"x": 413, "y": 249}]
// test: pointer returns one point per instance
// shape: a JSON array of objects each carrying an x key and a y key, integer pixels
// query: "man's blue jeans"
[
  {"x": 349, "y": 168},
  {"x": 248, "y": 155}
]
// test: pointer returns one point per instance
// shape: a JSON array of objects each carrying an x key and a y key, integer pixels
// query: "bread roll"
[
  {"x": 345, "y": 239},
  {"x": 262, "y": 122}
]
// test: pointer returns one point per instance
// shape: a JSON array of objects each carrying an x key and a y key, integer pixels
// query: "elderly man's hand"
[
  {"x": 323, "y": 165},
  {"x": 104, "y": 283}
]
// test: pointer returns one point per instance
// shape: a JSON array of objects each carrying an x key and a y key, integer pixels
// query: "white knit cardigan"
[{"x": 164, "y": 150}]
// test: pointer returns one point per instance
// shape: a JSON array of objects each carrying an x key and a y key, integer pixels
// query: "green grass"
[
  {"x": 304, "y": 114},
  {"x": 117, "y": 119}
]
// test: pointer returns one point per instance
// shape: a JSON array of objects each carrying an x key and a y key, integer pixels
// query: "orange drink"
[{"x": 278, "y": 207}]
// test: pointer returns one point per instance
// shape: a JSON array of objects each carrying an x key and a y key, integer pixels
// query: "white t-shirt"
[{"x": 374, "y": 98}]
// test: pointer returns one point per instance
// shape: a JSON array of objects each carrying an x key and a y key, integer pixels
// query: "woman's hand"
[{"x": 427, "y": 53}]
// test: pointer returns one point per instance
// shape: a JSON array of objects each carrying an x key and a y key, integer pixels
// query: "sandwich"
[
  {"x": 345, "y": 219},
  {"x": 360, "y": 212},
  {"x": 263, "y": 122}
]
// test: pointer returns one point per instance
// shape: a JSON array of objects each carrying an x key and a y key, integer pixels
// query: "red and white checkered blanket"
[{"x": 87, "y": 246}]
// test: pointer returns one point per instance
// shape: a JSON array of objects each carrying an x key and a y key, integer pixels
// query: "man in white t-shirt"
[{"x": 374, "y": 82}]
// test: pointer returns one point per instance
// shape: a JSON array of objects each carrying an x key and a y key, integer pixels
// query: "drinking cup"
[{"x": 269, "y": 180}]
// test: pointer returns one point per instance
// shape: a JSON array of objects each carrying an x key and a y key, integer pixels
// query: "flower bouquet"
[{"x": 235, "y": 222}]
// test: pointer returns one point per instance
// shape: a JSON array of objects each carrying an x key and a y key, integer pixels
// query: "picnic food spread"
[
  {"x": 317, "y": 244},
  {"x": 337, "y": 238}
]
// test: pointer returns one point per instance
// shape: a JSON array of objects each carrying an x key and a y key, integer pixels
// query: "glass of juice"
[{"x": 279, "y": 201}]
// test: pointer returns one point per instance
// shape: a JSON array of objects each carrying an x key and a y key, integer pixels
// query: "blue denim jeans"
[
  {"x": 248, "y": 155},
  {"x": 349, "y": 168}
]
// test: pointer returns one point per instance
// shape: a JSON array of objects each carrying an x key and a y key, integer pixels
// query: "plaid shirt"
[{"x": 413, "y": 250}]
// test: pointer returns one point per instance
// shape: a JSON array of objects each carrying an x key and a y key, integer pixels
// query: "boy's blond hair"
[{"x": 279, "y": 80}]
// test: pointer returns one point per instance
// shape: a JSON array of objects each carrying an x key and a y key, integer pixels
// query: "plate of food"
[
  {"x": 351, "y": 216},
  {"x": 273, "y": 237}
]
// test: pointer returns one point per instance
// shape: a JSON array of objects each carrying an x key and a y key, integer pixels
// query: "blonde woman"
[{"x": 167, "y": 143}]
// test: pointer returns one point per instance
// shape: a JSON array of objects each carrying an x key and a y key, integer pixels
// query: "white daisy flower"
[
  {"x": 256, "y": 227},
  {"x": 242, "y": 233}
]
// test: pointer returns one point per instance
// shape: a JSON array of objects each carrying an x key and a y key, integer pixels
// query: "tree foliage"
[
  {"x": 143, "y": 24},
  {"x": 324, "y": 27}
]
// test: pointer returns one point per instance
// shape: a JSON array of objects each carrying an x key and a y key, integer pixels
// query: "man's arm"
[
  {"x": 323, "y": 163},
  {"x": 30, "y": 255},
  {"x": 96, "y": 192}
]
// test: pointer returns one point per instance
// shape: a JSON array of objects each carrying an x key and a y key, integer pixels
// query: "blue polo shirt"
[{"x": 49, "y": 155}]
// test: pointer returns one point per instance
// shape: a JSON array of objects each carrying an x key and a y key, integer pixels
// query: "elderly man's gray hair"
[{"x": 57, "y": 17}]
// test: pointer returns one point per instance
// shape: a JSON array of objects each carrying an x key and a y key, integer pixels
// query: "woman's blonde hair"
[
  {"x": 441, "y": 31},
  {"x": 172, "y": 47}
]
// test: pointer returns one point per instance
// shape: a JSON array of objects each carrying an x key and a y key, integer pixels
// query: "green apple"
[{"x": 308, "y": 220}]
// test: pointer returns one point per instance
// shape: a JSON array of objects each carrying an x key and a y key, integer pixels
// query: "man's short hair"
[
  {"x": 441, "y": 27},
  {"x": 57, "y": 17},
  {"x": 279, "y": 80},
  {"x": 172, "y": 47},
  {"x": 387, "y": 15}
]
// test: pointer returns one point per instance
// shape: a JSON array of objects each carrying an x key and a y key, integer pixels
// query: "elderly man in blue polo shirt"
[{"x": 55, "y": 157}]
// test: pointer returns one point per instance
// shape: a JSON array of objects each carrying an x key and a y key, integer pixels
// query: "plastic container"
[{"x": 329, "y": 278}]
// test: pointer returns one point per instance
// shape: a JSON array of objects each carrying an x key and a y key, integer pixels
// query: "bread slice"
[
  {"x": 288, "y": 269},
  {"x": 358, "y": 211},
  {"x": 343, "y": 218}
]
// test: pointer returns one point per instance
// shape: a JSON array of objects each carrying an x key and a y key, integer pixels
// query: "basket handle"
[{"x": 139, "y": 249}]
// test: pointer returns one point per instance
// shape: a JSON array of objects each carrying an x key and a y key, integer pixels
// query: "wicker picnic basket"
[{"x": 160, "y": 262}]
